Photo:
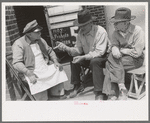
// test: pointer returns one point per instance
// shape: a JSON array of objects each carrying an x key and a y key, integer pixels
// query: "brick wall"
[
  {"x": 12, "y": 33},
  {"x": 26, "y": 14},
  {"x": 99, "y": 12}
]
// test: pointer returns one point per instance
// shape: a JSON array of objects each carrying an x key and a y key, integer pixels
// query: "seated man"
[
  {"x": 31, "y": 57},
  {"x": 90, "y": 50},
  {"x": 127, "y": 53}
]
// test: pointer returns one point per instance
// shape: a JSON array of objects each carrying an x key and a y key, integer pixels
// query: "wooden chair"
[
  {"x": 20, "y": 84},
  {"x": 137, "y": 85}
]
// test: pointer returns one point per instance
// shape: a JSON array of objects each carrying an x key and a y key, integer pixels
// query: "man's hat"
[
  {"x": 122, "y": 14},
  {"x": 84, "y": 17},
  {"x": 32, "y": 27}
]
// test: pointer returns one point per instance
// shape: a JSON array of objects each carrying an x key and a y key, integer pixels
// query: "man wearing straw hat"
[
  {"x": 90, "y": 50},
  {"x": 127, "y": 47},
  {"x": 31, "y": 57}
]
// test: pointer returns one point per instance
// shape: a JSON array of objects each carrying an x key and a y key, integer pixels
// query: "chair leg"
[
  {"x": 134, "y": 83},
  {"x": 131, "y": 85}
]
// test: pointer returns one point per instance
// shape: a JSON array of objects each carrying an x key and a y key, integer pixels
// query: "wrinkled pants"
[{"x": 96, "y": 65}]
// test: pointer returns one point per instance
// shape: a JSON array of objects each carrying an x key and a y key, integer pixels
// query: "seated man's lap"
[{"x": 130, "y": 63}]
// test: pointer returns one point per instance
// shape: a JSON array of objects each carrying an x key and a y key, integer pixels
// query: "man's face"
[
  {"x": 120, "y": 26},
  {"x": 35, "y": 35},
  {"x": 86, "y": 28}
]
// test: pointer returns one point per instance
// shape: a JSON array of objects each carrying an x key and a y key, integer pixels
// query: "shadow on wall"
[{"x": 138, "y": 11}]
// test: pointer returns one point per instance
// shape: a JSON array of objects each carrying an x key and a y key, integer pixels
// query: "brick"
[
  {"x": 7, "y": 7},
  {"x": 12, "y": 12},
  {"x": 7, "y": 17},
  {"x": 12, "y": 17},
  {"x": 7, "y": 33},
  {"x": 7, "y": 22},
  {"x": 7, "y": 39},
  {"x": 14, "y": 21},
  {"x": 16, "y": 36},
  {"x": 11, "y": 38},
  {"x": 7, "y": 12},
  {"x": 7, "y": 42},
  {"x": 13, "y": 26},
  {"x": 8, "y": 27},
  {"x": 16, "y": 30}
]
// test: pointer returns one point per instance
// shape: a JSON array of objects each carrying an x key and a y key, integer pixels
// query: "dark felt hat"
[
  {"x": 122, "y": 14},
  {"x": 84, "y": 17}
]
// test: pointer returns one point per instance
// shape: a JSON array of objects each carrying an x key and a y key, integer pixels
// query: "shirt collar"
[{"x": 130, "y": 29}]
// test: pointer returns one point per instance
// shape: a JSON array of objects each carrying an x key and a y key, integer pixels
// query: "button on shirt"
[
  {"x": 132, "y": 39},
  {"x": 94, "y": 43}
]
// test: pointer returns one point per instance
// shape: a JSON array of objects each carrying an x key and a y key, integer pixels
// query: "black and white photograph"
[{"x": 74, "y": 61}]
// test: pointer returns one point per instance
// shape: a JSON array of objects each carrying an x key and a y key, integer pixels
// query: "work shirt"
[
  {"x": 133, "y": 39},
  {"x": 115, "y": 68},
  {"x": 93, "y": 44},
  {"x": 23, "y": 57}
]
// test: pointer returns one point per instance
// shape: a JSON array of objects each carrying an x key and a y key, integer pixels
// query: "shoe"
[
  {"x": 112, "y": 97},
  {"x": 100, "y": 96},
  {"x": 77, "y": 89},
  {"x": 123, "y": 94},
  {"x": 53, "y": 97}
]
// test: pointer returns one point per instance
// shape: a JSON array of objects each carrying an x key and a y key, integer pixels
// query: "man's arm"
[
  {"x": 18, "y": 64},
  {"x": 74, "y": 51},
  {"x": 115, "y": 46},
  {"x": 139, "y": 44}
]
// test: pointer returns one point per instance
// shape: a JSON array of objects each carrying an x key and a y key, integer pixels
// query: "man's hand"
[
  {"x": 60, "y": 46},
  {"x": 134, "y": 54},
  {"x": 78, "y": 59},
  {"x": 116, "y": 53},
  {"x": 125, "y": 51},
  {"x": 32, "y": 77},
  {"x": 59, "y": 66},
  {"x": 130, "y": 52}
]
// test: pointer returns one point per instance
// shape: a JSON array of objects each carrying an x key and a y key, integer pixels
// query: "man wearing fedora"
[
  {"x": 90, "y": 50},
  {"x": 31, "y": 57},
  {"x": 127, "y": 47}
]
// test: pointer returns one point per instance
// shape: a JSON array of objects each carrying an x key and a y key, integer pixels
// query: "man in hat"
[
  {"x": 31, "y": 57},
  {"x": 90, "y": 50},
  {"x": 127, "y": 47}
]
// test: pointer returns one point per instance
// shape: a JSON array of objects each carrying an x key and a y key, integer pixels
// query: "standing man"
[
  {"x": 127, "y": 53},
  {"x": 90, "y": 50},
  {"x": 31, "y": 57}
]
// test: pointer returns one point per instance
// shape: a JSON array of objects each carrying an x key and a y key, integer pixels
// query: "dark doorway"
[{"x": 26, "y": 14}]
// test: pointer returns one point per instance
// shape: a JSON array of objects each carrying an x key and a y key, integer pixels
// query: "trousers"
[
  {"x": 96, "y": 65},
  {"x": 115, "y": 71}
]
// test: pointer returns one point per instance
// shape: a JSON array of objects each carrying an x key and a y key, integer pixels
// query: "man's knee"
[
  {"x": 97, "y": 62},
  {"x": 127, "y": 60}
]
